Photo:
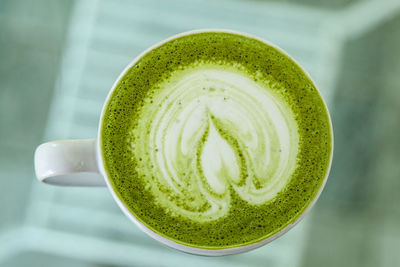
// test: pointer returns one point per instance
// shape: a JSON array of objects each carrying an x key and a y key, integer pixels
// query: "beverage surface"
[{"x": 216, "y": 140}]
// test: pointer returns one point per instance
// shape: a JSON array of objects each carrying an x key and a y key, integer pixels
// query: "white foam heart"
[{"x": 209, "y": 129}]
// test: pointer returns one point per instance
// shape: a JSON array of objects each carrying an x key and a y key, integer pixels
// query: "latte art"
[
  {"x": 209, "y": 129},
  {"x": 215, "y": 140}
]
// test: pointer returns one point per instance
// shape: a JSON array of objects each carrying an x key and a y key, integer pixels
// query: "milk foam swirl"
[{"x": 209, "y": 129}]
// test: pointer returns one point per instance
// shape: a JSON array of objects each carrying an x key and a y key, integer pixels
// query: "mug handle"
[{"x": 68, "y": 163}]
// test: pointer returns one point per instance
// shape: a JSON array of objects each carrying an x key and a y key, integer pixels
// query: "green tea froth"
[
  {"x": 215, "y": 140},
  {"x": 213, "y": 130}
]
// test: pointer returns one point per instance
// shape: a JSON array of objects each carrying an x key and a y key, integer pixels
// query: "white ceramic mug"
[{"x": 80, "y": 163}]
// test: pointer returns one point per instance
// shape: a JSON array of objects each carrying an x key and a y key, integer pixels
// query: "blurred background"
[{"x": 58, "y": 59}]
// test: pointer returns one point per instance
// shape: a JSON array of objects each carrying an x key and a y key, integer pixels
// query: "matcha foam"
[
  {"x": 214, "y": 129},
  {"x": 216, "y": 140}
]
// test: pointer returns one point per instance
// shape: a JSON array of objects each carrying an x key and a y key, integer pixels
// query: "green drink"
[{"x": 216, "y": 140}]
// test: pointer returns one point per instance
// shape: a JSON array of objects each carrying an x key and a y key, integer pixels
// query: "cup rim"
[{"x": 170, "y": 242}]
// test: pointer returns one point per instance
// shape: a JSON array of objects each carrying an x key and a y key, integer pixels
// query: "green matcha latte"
[{"x": 216, "y": 140}]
